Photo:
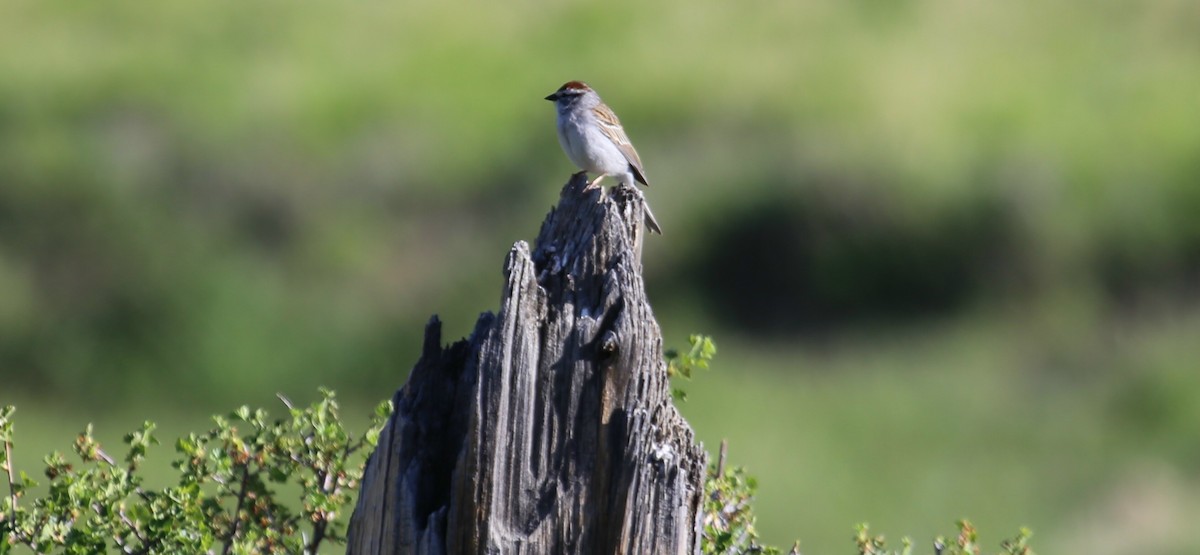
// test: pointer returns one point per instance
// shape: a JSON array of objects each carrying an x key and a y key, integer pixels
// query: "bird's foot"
[{"x": 594, "y": 184}]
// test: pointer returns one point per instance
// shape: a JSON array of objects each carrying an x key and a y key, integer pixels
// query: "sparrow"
[{"x": 595, "y": 141}]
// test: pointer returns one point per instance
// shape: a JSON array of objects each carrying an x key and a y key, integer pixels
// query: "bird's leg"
[{"x": 595, "y": 183}]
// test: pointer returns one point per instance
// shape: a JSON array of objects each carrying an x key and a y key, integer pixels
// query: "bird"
[{"x": 595, "y": 141}]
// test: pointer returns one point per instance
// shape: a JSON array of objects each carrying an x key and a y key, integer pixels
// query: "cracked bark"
[{"x": 551, "y": 429}]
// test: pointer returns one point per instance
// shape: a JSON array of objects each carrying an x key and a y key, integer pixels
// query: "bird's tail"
[{"x": 651, "y": 223}]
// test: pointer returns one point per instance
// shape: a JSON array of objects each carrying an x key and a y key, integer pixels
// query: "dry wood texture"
[{"x": 550, "y": 429}]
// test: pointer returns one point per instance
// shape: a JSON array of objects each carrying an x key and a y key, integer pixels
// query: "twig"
[
  {"x": 136, "y": 533},
  {"x": 132, "y": 528},
  {"x": 237, "y": 508},
  {"x": 12, "y": 481},
  {"x": 318, "y": 536},
  {"x": 721, "y": 458},
  {"x": 328, "y": 484},
  {"x": 104, "y": 456},
  {"x": 113, "y": 463},
  {"x": 121, "y": 544},
  {"x": 286, "y": 402}
]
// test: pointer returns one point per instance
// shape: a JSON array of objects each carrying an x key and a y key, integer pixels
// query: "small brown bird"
[{"x": 594, "y": 140}]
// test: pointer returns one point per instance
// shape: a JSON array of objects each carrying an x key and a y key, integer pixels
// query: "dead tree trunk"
[{"x": 551, "y": 428}]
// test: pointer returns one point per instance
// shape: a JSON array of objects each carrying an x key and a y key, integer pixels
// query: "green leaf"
[{"x": 701, "y": 351}]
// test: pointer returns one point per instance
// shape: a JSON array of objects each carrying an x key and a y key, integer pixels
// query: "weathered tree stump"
[{"x": 551, "y": 429}]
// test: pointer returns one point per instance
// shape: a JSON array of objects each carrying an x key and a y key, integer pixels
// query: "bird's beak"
[{"x": 552, "y": 97}]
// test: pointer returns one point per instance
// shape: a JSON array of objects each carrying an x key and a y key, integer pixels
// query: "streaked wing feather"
[{"x": 611, "y": 127}]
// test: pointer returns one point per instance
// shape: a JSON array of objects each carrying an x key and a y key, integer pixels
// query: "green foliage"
[
  {"x": 682, "y": 365},
  {"x": 226, "y": 498},
  {"x": 965, "y": 543},
  {"x": 728, "y": 520},
  {"x": 729, "y": 525}
]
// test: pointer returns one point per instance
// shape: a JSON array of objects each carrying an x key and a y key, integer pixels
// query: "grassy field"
[{"x": 949, "y": 250}]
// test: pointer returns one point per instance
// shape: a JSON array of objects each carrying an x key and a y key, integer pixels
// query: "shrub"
[{"x": 226, "y": 499}]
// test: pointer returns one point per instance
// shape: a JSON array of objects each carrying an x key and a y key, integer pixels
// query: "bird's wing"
[{"x": 611, "y": 127}]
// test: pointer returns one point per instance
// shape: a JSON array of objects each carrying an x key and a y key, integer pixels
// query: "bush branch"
[
  {"x": 12, "y": 482},
  {"x": 237, "y": 509}
]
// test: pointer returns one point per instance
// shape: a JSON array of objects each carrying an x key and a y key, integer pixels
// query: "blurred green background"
[{"x": 950, "y": 250}]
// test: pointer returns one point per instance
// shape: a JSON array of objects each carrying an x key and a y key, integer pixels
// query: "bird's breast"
[{"x": 588, "y": 148}]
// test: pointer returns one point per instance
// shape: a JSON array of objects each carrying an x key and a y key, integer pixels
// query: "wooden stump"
[{"x": 551, "y": 429}]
